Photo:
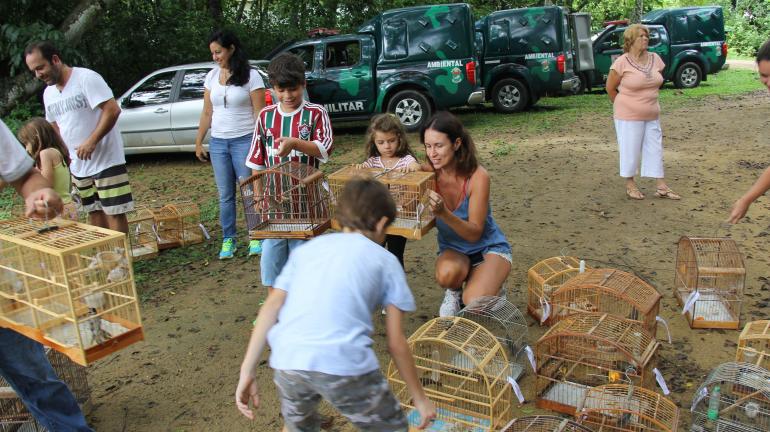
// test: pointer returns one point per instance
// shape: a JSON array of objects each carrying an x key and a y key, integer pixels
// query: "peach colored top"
[{"x": 637, "y": 97}]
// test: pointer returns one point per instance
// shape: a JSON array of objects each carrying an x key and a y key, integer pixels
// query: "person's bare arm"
[
  {"x": 757, "y": 190},
  {"x": 247, "y": 390},
  {"x": 399, "y": 350},
  {"x": 203, "y": 126},
  {"x": 613, "y": 82},
  {"x": 107, "y": 120},
  {"x": 40, "y": 200},
  {"x": 257, "y": 101},
  {"x": 49, "y": 158}
]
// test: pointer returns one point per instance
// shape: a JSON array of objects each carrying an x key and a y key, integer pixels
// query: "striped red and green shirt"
[{"x": 310, "y": 122}]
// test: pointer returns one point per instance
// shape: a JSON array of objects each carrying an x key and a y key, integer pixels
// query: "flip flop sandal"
[
  {"x": 667, "y": 193},
  {"x": 634, "y": 193}
]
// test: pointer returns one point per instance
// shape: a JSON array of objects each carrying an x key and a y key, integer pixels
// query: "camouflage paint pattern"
[{"x": 532, "y": 37}]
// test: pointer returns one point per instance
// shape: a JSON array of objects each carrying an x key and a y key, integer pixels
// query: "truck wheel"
[
  {"x": 688, "y": 75},
  {"x": 510, "y": 95},
  {"x": 412, "y": 109},
  {"x": 579, "y": 86}
]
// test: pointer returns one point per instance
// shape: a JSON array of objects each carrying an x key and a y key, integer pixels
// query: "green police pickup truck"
[
  {"x": 407, "y": 61},
  {"x": 527, "y": 53},
  {"x": 691, "y": 41}
]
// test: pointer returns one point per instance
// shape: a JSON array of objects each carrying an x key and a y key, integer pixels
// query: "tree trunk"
[
  {"x": 215, "y": 10},
  {"x": 85, "y": 15},
  {"x": 636, "y": 15},
  {"x": 239, "y": 14}
]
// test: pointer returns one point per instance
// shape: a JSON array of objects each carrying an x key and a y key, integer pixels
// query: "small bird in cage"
[{"x": 95, "y": 301}]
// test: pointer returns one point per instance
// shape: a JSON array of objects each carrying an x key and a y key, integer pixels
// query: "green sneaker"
[
  {"x": 228, "y": 249},
  {"x": 255, "y": 247}
]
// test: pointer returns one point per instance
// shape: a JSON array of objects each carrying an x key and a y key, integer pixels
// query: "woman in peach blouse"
[{"x": 632, "y": 85}]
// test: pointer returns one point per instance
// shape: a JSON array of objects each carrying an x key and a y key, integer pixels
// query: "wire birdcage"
[
  {"x": 69, "y": 286},
  {"x": 589, "y": 350},
  {"x": 735, "y": 397},
  {"x": 608, "y": 291},
  {"x": 409, "y": 191},
  {"x": 627, "y": 408},
  {"x": 709, "y": 281},
  {"x": 464, "y": 371},
  {"x": 141, "y": 234},
  {"x": 543, "y": 279},
  {"x": 506, "y": 323},
  {"x": 544, "y": 423},
  {"x": 14, "y": 416},
  {"x": 754, "y": 344},
  {"x": 289, "y": 200}
]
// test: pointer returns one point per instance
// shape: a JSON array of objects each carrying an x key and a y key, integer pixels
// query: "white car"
[{"x": 161, "y": 112}]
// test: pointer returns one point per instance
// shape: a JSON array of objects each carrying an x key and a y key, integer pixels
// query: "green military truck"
[
  {"x": 527, "y": 53},
  {"x": 408, "y": 61},
  {"x": 691, "y": 41}
]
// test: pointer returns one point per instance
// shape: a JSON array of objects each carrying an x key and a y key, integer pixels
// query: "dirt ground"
[{"x": 554, "y": 193}]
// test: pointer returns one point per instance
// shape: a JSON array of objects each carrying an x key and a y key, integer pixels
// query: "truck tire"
[
  {"x": 688, "y": 75},
  {"x": 411, "y": 107},
  {"x": 580, "y": 86},
  {"x": 510, "y": 95}
]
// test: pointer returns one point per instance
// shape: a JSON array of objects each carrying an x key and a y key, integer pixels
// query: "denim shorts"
[
  {"x": 476, "y": 258},
  {"x": 365, "y": 400},
  {"x": 275, "y": 253}
]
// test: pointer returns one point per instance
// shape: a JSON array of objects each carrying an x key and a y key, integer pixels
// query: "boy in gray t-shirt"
[{"x": 318, "y": 323}]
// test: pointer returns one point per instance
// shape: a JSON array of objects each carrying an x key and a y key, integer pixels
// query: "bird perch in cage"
[
  {"x": 289, "y": 200},
  {"x": 754, "y": 344},
  {"x": 68, "y": 286},
  {"x": 627, "y": 408},
  {"x": 409, "y": 191},
  {"x": 544, "y": 423}
]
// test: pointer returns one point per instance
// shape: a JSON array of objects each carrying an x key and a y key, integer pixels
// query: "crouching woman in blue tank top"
[{"x": 472, "y": 248}]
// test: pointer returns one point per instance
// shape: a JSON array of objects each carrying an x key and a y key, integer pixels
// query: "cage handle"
[{"x": 312, "y": 177}]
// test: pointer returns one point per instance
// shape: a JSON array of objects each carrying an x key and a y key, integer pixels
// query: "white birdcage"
[
  {"x": 507, "y": 323},
  {"x": 735, "y": 397}
]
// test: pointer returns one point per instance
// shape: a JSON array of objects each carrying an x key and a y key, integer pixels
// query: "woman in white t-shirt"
[{"x": 234, "y": 94}]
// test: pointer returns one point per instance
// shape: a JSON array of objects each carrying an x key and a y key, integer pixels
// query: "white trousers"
[{"x": 640, "y": 140}]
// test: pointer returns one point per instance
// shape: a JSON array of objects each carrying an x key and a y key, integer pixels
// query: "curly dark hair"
[{"x": 239, "y": 61}]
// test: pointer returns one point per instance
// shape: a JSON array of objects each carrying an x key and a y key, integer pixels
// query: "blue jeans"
[
  {"x": 24, "y": 365},
  {"x": 228, "y": 158},
  {"x": 275, "y": 253}
]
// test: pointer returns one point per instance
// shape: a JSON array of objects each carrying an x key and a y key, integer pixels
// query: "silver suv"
[{"x": 161, "y": 112}]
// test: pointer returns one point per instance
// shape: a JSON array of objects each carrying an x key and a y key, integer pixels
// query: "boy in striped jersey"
[{"x": 291, "y": 130}]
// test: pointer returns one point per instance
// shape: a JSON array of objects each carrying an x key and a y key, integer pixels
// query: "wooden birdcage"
[
  {"x": 191, "y": 231},
  {"x": 608, "y": 291},
  {"x": 710, "y": 277},
  {"x": 627, "y": 408},
  {"x": 69, "y": 286},
  {"x": 506, "y": 323},
  {"x": 589, "y": 350},
  {"x": 14, "y": 416},
  {"x": 544, "y": 423},
  {"x": 735, "y": 397},
  {"x": 141, "y": 234},
  {"x": 543, "y": 279},
  {"x": 754, "y": 344},
  {"x": 409, "y": 191},
  {"x": 167, "y": 227},
  {"x": 464, "y": 371},
  {"x": 289, "y": 200}
]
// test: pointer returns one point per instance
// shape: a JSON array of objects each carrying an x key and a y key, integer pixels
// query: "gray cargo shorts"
[{"x": 365, "y": 400}]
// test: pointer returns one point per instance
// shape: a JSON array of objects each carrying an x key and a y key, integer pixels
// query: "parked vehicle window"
[
  {"x": 342, "y": 54},
  {"x": 394, "y": 35},
  {"x": 306, "y": 54},
  {"x": 498, "y": 36},
  {"x": 156, "y": 90},
  {"x": 615, "y": 40},
  {"x": 655, "y": 38},
  {"x": 192, "y": 84}
]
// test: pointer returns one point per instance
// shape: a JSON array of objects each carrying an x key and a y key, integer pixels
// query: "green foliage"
[
  {"x": 749, "y": 26},
  {"x": 23, "y": 112}
]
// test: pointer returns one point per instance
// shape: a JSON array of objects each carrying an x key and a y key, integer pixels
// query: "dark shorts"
[
  {"x": 107, "y": 191},
  {"x": 365, "y": 400}
]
